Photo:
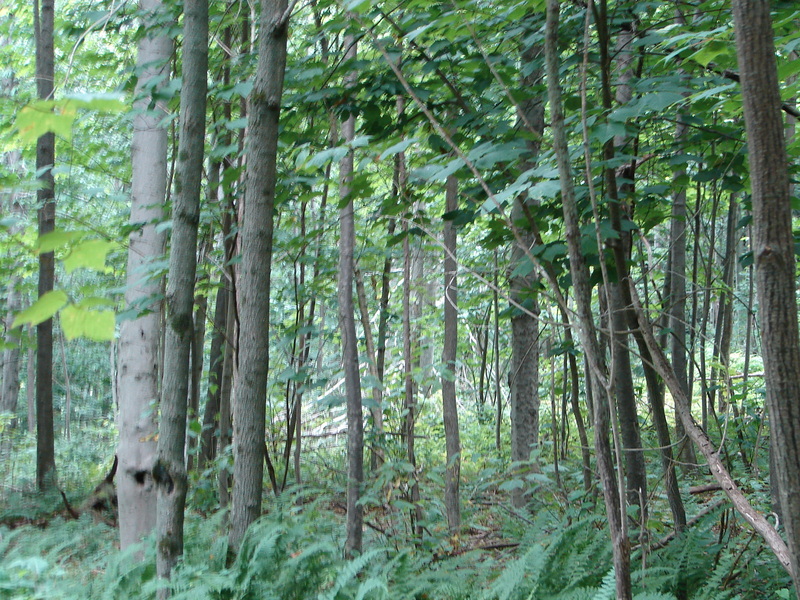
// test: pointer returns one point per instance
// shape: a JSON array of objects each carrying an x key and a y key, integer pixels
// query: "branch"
[{"x": 704, "y": 444}]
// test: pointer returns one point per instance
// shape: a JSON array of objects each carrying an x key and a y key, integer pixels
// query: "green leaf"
[
  {"x": 97, "y": 325},
  {"x": 397, "y": 148},
  {"x": 512, "y": 484},
  {"x": 56, "y": 239},
  {"x": 90, "y": 255},
  {"x": 41, "y": 310},
  {"x": 39, "y": 118}
]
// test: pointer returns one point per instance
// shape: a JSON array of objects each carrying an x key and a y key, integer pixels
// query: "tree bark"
[
  {"x": 9, "y": 394},
  {"x": 773, "y": 251},
  {"x": 452, "y": 502},
  {"x": 524, "y": 379},
  {"x": 253, "y": 286},
  {"x": 584, "y": 321},
  {"x": 347, "y": 324},
  {"x": 45, "y": 195},
  {"x": 169, "y": 472},
  {"x": 138, "y": 348}
]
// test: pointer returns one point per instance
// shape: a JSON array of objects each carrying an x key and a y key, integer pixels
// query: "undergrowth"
[{"x": 294, "y": 553}]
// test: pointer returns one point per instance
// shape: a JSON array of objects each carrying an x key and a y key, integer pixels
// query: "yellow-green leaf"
[
  {"x": 41, "y": 310},
  {"x": 90, "y": 254},
  {"x": 97, "y": 325},
  {"x": 56, "y": 239},
  {"x": 44, "y": 116}
]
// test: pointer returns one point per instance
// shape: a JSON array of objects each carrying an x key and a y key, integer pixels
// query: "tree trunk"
[
  {"x": 773, "y": 251},
  {"x": 377, "y": 392},
  {"x": 584, "y": 321},
  {"x": 9, "y": 394},
  {"x": 29, "y": 387},
  {"x": 169, "y": 472},
  {"x": 208, "y": 450},
  {"x": 524, "y": 377},
  {"x": 67, "y": 387},
  {"x": 347, "y": 324},
  {"x": 138, "y": 349},
  {"x": 410, "y": 391},
  {"x": 249, "y": 410},
  {"x": 225, "y": 395},
  {"x": 45, "y": 195},
  {"x": 452, "y": 502}
]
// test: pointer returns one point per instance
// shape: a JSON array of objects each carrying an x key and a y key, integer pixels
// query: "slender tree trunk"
[
  {"x": 773, "y": 251},
  {"x": 619, "y": 208},
  {"x": 377, "y": 393},
  {"x": 452, "y": 502},
  {"x": 138, "y": 348},
  {"x": 498, "y": 386},
  {"x": 355, "y": 425},
  {"x": 253, "y": 286},
  {"x": 45, "y": 195},
  {"x": 67, "y": 387},
  {"x": 584, "y": 320},
  {"x": 724, "y": 313},
  {"x": 209, "y": 433},
  {"x": 9, "y": 394},
  {"x": 29, "y": 386},
  {"x": 169, "y": 472},
  {"x": 410, "y": 387},
  {"x": 225, "y": 394}
]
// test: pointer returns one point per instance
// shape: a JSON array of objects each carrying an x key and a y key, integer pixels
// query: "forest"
[{"x": 419, "y": 299}]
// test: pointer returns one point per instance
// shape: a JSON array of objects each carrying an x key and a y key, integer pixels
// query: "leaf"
[
  {"x": 97, "y": 325},
  {"x": 511, "y": 484},
  {"x": 41, "y": 310},
  {"x": 713, "y": 50},
  {"x": 397, "y": 148},
  {"x": 39, "y": 118},
  {"x": 56, "y": 239},
  {"x": 90, "y": 255}
]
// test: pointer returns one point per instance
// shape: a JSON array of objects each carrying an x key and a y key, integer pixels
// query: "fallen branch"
[{"x": 703, "y": 442}]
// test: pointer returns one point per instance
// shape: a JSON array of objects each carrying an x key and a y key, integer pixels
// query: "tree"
[
  {"x": 169, "y": 472},
  {"x": 138, "y": 348},
  {"x": 256, "y": 233},
  {"x": 452, "y": 480},
  {"x": 584, "y": 322},
  {"x": 524, "y": 375},
  {"x": 45, "y": 162},
  {"x": 347, "y": 324},
  {"x": 773, "y": 251}
]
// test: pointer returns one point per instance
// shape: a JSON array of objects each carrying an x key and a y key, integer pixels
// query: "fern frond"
[
  {"x": 351, "y": 571},
  {"x": 607, "y": 588},
  {"x": 370, "y": 585}
]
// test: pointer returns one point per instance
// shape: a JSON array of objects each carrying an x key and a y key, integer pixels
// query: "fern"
[
  {"x": 350, "y": 572},
  {"x": 370, "y": 585},
  {"x": 526, "y": 568},
  {"x": 607, "y": 588}
]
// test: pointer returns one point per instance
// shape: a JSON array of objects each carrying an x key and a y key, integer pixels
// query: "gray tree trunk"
[
  {"x": 169, "y": 472},
  {"x": 347, "y": 324},
  {"x": 9, "y": 394},
  {"x": 208, "y": 449},
  {"x": 29, "y": 387},
  {"x": 452, "y": 477},
  {"x": 773, "y": 251},
  {"x": 253, "y": 286},
  {"x": 524, "y": 379},
  {"x": 138, "y": 347}
]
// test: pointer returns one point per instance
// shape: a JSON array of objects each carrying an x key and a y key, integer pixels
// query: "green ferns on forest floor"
[{"x": 294, "y": 553}]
